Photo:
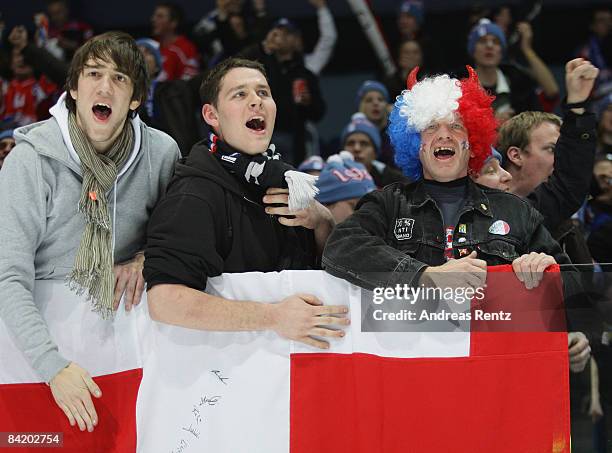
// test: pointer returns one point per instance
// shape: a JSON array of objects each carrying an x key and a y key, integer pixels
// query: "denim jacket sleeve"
[{"x": 358, "y": 252}]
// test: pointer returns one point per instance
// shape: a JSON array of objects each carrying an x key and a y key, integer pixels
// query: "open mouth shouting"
[
  {"x": 102, "y": 111},
  {"x": 444, "y": 153},
  {"x": 257, "y": 124}
]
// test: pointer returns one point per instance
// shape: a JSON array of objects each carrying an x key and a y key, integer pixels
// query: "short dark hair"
[
  {"x": 174, "y": 10},
  {"x": 211, "y": 85},
  {"x": 114, "y": 47}
]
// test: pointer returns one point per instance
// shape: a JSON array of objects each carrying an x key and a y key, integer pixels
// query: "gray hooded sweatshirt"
[{"x": 41, "y": 228}]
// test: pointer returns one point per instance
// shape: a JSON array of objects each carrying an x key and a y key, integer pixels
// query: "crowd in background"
[{"x": 34, "y": 65}]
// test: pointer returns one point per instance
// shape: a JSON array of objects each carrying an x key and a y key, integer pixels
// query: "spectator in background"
[
  {"x": 362, "y": 139},
  {"x": 600, "y": 207},
  {"x": 27, "y": 99},
  {"x": 7, "y": 143},
  {"x": 551, "y": 161},
  {"x": 492, "y": 174},
  {"x": 313, "y": 165},
  {"x": 231, "y": 27},
  {"x": 180, "y": 59},
  {"x": 295, "y": 89},
  {"x": 342, "y": 183},
  {"x": 409, "y": 56},
  {"x": 69, "y": 34},
  {"x": 604, "y": 132},
  {"x": 373, "y": 102},
  {"x": 515, "y": 89},
  {"x": 411, "y": 27},
  {"x": 170, "y": 105},
  {"x": 410, "y": 19},
  {"x": 598, "y": 49},
  {"x": 502, "y": 17},
  {"x": 42, "y": 60},
  {"x": 316, "y": 60}
]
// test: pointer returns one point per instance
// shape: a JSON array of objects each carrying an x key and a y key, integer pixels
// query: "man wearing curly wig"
[{"x": 442, "y": 130}]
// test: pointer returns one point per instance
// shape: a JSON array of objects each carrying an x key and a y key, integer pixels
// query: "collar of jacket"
[{"x": 476, "y": 198}]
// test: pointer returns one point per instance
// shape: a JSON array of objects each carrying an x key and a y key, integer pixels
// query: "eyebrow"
[
  {"x": 244, "y": 85},
  {"x": 101, "y": 66}
]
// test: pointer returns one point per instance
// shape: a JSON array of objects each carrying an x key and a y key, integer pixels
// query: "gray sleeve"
[
  {"x": 168, "y": 164},
  {"x": 22, "y": 226}
]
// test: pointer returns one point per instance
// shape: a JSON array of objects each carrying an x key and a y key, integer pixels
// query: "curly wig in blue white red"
[{"x": 440, "y": 98}]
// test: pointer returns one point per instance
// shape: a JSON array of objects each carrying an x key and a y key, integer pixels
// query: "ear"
[
  {"x": 514, "y": 156},
  {"x": 73, "y": 94},
  {"x": 134, "y": 105},
  {"x": 209, "y": 113}
]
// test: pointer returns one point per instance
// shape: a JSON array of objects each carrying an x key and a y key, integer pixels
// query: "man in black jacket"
[
  {"x": 213, "y": 220},
  {"x": 551, "y": 161},
  {"x": 409, "y": 233}
]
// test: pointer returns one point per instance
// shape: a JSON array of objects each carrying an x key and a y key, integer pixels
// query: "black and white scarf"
[{"x": 266, "y": 170}]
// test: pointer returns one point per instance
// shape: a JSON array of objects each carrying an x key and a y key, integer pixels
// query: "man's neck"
[
  {"x": 167, "y": 39},
  {"x": 518, "y": 185},
  {"x": 487, "y": 75},
  {"x": 606, "y": 138}
]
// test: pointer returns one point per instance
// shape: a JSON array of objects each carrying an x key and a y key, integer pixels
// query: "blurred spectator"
[
  {"x": 411, "y": 26},
  {"x": 409, "y": 55},
  {"x": 41, "y": 60},
  {"x": 180, "y": 59},
  {"x": 342, "y": 183},
  {"x": 373, "y": 102},
  {"x": 502, "y": 17},
  {"x": 492, "y": 174},
  {"x": 295, "y": 89},
  {"x": 27, "y": 99},
  {"x": 604, "y": 132},
  {"x": 362, "y": 139},
  {"x": 171, "y": 105},
  {"x": 231, "y": 27},
  {"x": 516, "y": 89},
  {"x": 68, "y": 33},
  {"x": 410, "y": 19},
  {"x": 7, "y": 143},
  {"x": 316, "y": 60},
  {"x": 313, "y": 165},
  {"x": 599, "y": 241},
  {"x": 598, "y": 49}
]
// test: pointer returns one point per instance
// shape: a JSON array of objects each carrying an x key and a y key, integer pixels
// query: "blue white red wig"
[{"x": 440, "y": 98}]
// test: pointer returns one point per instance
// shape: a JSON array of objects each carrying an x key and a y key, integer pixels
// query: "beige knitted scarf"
[{"x": 93, "y": 265}]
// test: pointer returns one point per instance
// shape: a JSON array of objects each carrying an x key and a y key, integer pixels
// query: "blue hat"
[
  {"x": 359, "y": 123},
  {"x": 283, "y": 22},
  {"x": 152, "y": 46},
  {"x": 313, "y": 163},
  {"x": 482, "y": 28},
  {"x": 371, "y": 85},
  {"x": 415, "y": 9},
  {"x": 495, "y": 155},
  {"x": 343, "y": 179},
  {"x": 8, "y": 133}
]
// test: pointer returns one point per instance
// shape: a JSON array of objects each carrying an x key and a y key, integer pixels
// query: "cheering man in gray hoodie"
[{"x": 75, "y": 198}]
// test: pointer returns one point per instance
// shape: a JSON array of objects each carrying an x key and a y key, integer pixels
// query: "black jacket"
[
  {"x": 563, "y": 194},
  {"x": 399, "y": 230},
  {"x": 209, "y": 223},
  {"x": 176, "y": 111}
]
